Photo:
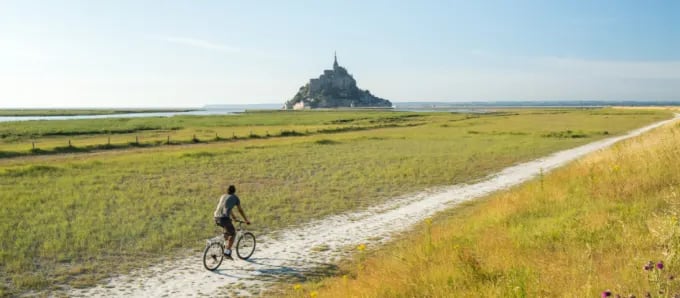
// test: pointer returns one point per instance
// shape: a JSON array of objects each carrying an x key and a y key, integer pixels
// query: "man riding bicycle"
[{"x": 223, "y": 215}]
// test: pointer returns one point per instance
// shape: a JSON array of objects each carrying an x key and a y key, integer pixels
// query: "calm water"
[{"x": 210, "y": 111}]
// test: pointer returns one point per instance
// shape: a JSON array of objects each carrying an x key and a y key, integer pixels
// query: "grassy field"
[
  {"x": 75, "y": 112},
  {"x": 54, "y": 137},
  {"x": 578, "y": 232},
  {"x": 75, "y": 218}
]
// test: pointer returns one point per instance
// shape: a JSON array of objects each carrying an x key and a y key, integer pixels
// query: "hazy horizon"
[
  {"x": 266, "y": 105},
  {"x": 183, "y": 54}
]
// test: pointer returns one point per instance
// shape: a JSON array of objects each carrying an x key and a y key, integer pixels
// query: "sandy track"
[{"x": 314, "y": 248}]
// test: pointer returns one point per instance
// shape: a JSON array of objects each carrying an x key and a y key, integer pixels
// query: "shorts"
[{"x": 225, "y": 222}]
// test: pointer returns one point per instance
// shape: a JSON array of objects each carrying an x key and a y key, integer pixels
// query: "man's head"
[{"x": 231, "y": 189}]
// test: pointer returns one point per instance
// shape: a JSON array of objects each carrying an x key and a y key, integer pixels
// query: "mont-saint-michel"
[{"x": 335, "y": 88}]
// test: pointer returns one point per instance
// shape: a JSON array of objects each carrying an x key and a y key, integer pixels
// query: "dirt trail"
[{"x": 314, "y": 248}]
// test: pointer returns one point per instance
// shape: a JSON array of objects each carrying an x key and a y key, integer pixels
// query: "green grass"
[
  {"x": 43, "y": 137},
  {"x": 37, "y": 129},
  {"x": 74, "y": 218},
  {"x": 581, "y": 230}
]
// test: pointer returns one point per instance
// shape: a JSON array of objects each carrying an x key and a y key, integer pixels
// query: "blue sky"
[{"x": 192, "y": 53}]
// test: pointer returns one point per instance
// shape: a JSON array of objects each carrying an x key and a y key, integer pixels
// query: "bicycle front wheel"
[
  {"x": 212, "y": 256},
  {"x": 245, "y": 246}
]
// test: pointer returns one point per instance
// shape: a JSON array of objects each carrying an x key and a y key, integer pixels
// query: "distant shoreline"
[
  {"x": 25, "y": 114},
  {"x": 66, "y": 111},
  {"x": 14, "y": 112},
  {"x": 525, "y": 103}
]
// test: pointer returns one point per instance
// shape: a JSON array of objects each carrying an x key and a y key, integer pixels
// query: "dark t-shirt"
[{"x": 232, "y": 201}]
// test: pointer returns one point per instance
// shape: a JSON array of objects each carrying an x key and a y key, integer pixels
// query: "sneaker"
[{"x": 227, "y": 253}]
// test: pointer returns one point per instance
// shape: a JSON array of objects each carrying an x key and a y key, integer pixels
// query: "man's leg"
[
  {"x": 228, "y": 240},
  {"x": 230, "y": 231},
  {"x": 231, "y": 242}
]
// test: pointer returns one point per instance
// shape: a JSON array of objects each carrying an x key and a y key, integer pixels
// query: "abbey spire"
[{"x": 335, "y": 62}]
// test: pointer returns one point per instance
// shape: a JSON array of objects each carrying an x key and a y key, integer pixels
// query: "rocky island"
[{"x": 335, "y": 88}]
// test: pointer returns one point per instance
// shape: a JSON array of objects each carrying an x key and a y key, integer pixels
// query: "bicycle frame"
[{"x": 240, "y": 230}]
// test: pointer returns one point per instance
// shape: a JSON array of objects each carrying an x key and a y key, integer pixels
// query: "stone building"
[
  {"x": 336, "y": 77},
  {"x": 334, "y": 88}
]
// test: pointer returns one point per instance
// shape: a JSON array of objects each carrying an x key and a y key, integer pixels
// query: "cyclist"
[{"x": 223, "y": 215}]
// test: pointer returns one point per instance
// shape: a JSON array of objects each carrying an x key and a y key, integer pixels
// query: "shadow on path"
[{"x": 280, "y": 270}]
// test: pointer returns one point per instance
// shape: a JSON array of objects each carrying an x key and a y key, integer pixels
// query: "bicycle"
[{"x": 214, "y": 250}]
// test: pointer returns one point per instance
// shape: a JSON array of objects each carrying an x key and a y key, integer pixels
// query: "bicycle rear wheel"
[
  {"x": 245, "y": 246},
  {"x": 212, "y": 256}
]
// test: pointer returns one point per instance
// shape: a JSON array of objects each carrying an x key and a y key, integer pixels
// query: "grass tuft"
[
  {"x": 565, "y": 134},
  {"x": 202, "y": 154},
  {"x": 31, "y": 170},
  {"x": 326, "y": 142}
]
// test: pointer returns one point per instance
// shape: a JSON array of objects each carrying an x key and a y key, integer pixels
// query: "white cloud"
[{"x": 198, "y": 43}]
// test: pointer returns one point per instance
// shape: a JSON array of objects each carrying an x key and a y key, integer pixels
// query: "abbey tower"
[{"x": 335, "y": 88}]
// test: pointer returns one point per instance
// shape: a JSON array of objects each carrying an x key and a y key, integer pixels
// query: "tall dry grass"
[{"x": 577, "y": 232}]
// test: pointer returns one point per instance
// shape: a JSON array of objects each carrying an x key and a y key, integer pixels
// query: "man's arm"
[{"x": 240, "y": 210}]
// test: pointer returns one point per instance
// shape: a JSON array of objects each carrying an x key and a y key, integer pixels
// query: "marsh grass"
[
  {"x": 582, "y": 231},
  {"x": 326, "y": 142},
  {"x": 49, "y": 137},
  {"x": 76, "y": 218},
  {"x": 15, "y": 131}
]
